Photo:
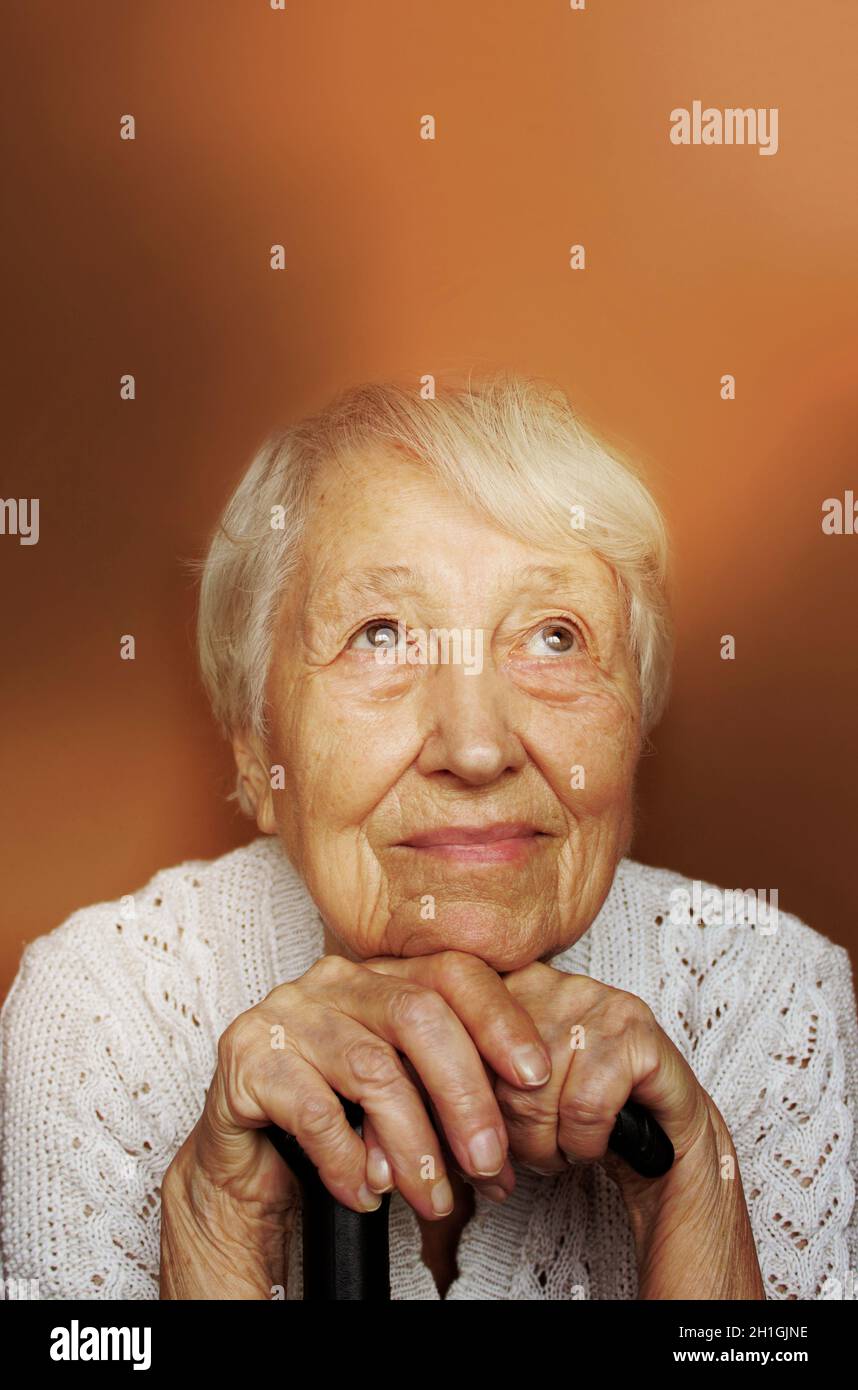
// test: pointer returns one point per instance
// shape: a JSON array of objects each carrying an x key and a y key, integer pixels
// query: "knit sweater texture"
[{"x": 108, "y": 1043}]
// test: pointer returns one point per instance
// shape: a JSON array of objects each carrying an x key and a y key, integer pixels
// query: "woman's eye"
[
  {"x": 555, "y": 639},
  {"x": 376, "y": 637}
]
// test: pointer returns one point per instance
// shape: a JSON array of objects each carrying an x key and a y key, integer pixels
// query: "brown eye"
[
  {"x": 555, "y": 639},
  {"x": 377, "y": 636}
]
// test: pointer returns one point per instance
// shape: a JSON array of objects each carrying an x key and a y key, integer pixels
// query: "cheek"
[
  {"x": 588, "y": 750},
  {"x": 339, "y": 761}
]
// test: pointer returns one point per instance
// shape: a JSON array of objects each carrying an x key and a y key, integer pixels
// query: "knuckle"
[
  {"x": 238, "y": 1040},
  {"x": 416, "y": 1009},
  {"x": 329, "y": 970},
  {"x": 586, "y": 1108},
  {"x": 627, "y": 1011},
  {"x": 374, "y": 1064},
  {"x": 282, "y": 993},
  {"x": 522, "y": 1108},
  {"x": 317, "y": 1116},
  {"x": 456, "y": 966}
]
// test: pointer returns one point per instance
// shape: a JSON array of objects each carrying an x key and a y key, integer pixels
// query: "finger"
[
  {"x": 379, "y": 1174},
  {"x": 363, "y": 1066},
  {"x": 501, "y": 1028},
  {"x": 498, "y": 1188},
  {"x": 624, "y": 1047},
  {"x": 279, "y": 1087},
  {"x": 531, "y": 1119},
  {"x": 595, "y": 1091},
  {"x": 417, "y": 1021},
  {"x": 672, "y": 1094}
]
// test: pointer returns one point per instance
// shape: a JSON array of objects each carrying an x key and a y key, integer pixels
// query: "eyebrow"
[
  {"x": 554, "y": 576},
  {"x": 377, "y": 581}
]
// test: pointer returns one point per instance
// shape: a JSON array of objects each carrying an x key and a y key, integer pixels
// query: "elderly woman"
[{"x": 435, "y": 631}]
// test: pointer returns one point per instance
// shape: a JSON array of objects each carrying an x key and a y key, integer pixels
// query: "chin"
[{"x": 478, "y": 930}]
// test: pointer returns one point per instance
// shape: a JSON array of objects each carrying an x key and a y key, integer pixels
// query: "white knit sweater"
[{"x": 109, "y": 1040}]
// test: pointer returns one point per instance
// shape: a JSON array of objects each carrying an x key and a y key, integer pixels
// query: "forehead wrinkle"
[
  {"x": 376, "y": 582},
  {"x": 555, "y": 577}
]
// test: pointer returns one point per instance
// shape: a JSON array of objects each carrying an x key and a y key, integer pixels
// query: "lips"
[{"x": 471, "y": 835}]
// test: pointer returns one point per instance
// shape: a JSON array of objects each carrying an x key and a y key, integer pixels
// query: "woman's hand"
[
  {"x": 228, "y": 1198},
  {"x": 692, "y": 1232},
  {"x": 606, "y": 1045}
]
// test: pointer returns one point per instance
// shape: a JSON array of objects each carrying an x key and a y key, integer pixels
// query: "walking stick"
[{"x": 346, "y": 1254}]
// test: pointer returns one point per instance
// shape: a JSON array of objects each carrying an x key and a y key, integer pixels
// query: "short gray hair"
[{"x": 510, "y": 445}]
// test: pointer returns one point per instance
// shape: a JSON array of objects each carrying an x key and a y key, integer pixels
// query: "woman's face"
[{"x": 512, "y": 735}]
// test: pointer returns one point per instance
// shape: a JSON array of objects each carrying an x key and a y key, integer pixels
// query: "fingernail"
[
  {"x": 486, "y": 1153},
  {"x": 495, "y": 1194},
  {"x": 370, "y": 1201},
  {"x": 378, "y": 1172},
  {"x": 531, "y": 1064},
  {"x": 442, "y": 1198}
]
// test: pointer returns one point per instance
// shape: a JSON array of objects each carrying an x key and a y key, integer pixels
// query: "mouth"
[{"x": 475, "y": 844}]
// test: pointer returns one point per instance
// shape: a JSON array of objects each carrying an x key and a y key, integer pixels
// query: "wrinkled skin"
[{"x": 373, "y": 752}]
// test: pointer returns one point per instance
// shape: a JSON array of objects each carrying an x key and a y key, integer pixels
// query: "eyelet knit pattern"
[{"x": 108, "y": 1042}]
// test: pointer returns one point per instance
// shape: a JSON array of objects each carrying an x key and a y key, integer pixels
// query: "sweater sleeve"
[
  {"x": 83, "y": 1147},
  {"x": 847, "y": 1032},
  {"x": 794, "y": 1124}
]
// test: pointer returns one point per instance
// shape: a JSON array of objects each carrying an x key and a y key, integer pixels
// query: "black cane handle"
[
  {"x": 641, "y": 1141},
  {"x": 346, "y": 1253}
]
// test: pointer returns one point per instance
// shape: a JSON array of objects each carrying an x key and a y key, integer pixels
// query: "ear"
[{"x": 255, "y": 781}]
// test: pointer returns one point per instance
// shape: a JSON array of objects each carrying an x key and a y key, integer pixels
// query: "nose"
[{"x": 471, "y": 736}]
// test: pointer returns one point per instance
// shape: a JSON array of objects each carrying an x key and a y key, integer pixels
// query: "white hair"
[{"x": 511, "y": 446}]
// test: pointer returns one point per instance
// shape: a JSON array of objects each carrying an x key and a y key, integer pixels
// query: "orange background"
[{"x": 403, "y": 257}]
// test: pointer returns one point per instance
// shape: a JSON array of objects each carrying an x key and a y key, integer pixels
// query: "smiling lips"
[{"x": 478, "y": 844}]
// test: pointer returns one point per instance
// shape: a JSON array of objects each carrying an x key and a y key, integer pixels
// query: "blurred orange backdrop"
[{"x": 405, "y": 256}]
